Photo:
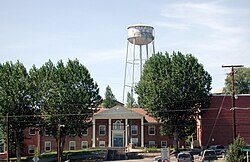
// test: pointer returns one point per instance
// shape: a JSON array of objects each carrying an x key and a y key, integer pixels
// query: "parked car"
[
  {"x": 157, "y": 159},
  {"x": 208, "y": 155},
  {"x": 185, "y": 156},
  {"x": 160, "y": 159},
  {"x": 219, "y": 149}
]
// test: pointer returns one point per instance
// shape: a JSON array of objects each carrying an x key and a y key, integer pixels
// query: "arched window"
[{"x": 118, "y": 125}]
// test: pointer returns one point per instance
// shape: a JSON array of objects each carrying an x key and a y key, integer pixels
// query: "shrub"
[{"x": 234, "y": 153}]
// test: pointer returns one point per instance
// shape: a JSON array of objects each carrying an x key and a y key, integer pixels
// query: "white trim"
[
  {"x": 101, "y": 143},
  {"x": 135, "y": 126},
  {"x": 86, "y": 133},
  {"x": 126, "y": 132},
  {"x": 82, "y": 144},
  {"x": 29, "y": 149},
  {"x": 104, "y": 126},
  {"x": 149, "y": 130},
  {"x": 32, "y": 134},
  {"x": 93, "y": 132},
  {"x": 47, "y": 142},
  {"x": 109, "y": 144},
  {"x": 165, "y": 145},
  {"x": 72, "y": 144}
]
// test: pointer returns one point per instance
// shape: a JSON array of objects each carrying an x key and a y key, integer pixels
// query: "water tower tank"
[{"x": 140, "y": 34}]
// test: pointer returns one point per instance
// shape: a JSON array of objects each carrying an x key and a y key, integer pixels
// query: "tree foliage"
[
  {"x": 16, "y": 101},
  {"x": 234, "y": 154},
  {"x": 241, "y": 82},
  {"x": 172, "y": 89},
  {"x": 68, "y": 96},
  {"x": 109, "y": 100},
  {"x": 130, "y": 101},
  {"x": 47, "y": 97}
]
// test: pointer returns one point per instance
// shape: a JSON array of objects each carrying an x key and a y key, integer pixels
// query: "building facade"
[
  {"x": 112, "y": 128},
  {"x": 215, "y": 126}
]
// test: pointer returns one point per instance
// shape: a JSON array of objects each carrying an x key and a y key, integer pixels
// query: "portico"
[{"x": 123, "y": 126}]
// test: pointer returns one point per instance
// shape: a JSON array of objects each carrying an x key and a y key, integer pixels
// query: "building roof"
[{"x": 119, "y": 111}]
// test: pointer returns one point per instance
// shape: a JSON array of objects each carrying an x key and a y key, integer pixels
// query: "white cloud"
[{"x": 216, "y": 32}]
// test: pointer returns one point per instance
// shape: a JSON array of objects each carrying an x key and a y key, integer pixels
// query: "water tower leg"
[
  {"x": 125, "y": 74},
  {"x": 140, "y": 60}
]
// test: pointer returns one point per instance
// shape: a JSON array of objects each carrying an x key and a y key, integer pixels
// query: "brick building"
[
  {"x": 115, "y": 127},
  {"x": 216, "y": 124}
]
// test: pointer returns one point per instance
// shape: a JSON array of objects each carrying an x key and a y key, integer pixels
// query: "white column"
[
  {"x": 142, "y": 132},
  {"x": 109, "y": 145},
  {"x": 126, "y": 132},
  {"x": 93, "y": 137}
]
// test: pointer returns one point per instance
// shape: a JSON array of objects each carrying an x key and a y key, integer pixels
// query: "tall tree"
[
  {"x": 172, "y": 89},
  {"x": 110, "y": 100},
  {"x": 241, "y": 82},
  {"x": 16, "y": 102},
  {"x": 130, "y": 101},
  {"x": 68, "y": 98}
]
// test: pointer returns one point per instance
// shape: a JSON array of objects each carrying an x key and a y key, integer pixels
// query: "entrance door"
[{"x": 118, "y": 140}]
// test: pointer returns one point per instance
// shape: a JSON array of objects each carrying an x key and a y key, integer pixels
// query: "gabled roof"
[
  {"x": 123, "y": 112},
  {"x": 117, "y": 111}
]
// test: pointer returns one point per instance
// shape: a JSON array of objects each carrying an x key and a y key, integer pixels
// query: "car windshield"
[
  {"x": 208, "y": 153},
  {"x": 220, "y": 147}
]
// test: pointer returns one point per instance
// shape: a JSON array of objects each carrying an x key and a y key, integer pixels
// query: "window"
[
  {"x": 151, "y": 130},
  {"x": 84, "y": 131},
  {"x": 101, "y": 143},
  {"x": 32, "y": 131},
  {"x": 84, "y": 144},
  {"x": 2, "y": 147},
  {"x": 151, "y": 143},
  {"x": 72, "y": 145},
  {"x": 134, "y": 129},
  {"x": 163, "y": 143},
  {"x": 102, "y": 130},
  {"x": 32, "y": 149},
  {"x": 118, "y": 125},
  {"x": 47, "y": 132},
  {"x": 47, "y": 146},
  {"x": 135, "y": 141}
]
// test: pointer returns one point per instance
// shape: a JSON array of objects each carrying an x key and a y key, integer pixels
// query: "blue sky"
[{"x": 95, "y": 32}]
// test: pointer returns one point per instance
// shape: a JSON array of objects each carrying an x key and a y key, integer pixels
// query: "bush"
[{"x": 234, "y": 153}]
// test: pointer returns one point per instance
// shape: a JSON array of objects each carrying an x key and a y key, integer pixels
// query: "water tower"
[{"x": 140, "y": 44}]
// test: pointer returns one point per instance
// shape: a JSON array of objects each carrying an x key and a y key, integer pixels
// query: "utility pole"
[
  {"x": 233, "y": 95},
  {"x": 7, "y": 137},
  {"x": 59, "y": 143}
]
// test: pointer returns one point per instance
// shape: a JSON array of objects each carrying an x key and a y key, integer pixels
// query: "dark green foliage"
[
  {"x": 110, "y": 100},
  {"x": 67, "y": 96},
  {"x": 63, "y": 94},
  {"x": 16, "y": 101},
  {"x": 234, "y": 153},
  {"x": 131, "y": 101},
  {"x": 241, "y": 81},
  {"x": 173, "y": 89}
]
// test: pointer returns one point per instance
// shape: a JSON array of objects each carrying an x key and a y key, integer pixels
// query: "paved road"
[{"x": 172, "y": 159}]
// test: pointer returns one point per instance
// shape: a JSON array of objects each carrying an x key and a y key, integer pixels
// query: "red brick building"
[
  {"x": 115, "y": 127},
  {"x": 216, "y": 125}
]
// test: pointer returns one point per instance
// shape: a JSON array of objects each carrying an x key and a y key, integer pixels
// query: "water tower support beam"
[
  {"x": 140, "y": 60},
  {"x": 125, "y": 75}
]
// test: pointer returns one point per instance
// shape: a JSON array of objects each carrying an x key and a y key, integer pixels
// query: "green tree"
[
  {"x": 241, "y": 82},
  {"x": 173, "y": 89},
  {"x": 110, "y": 100},
  {"x": 68, "y": 96},
  {"x": 130, "y": 101},
  {"x": 16, "y": 101},
  {"x": 234, "y": 154}
]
